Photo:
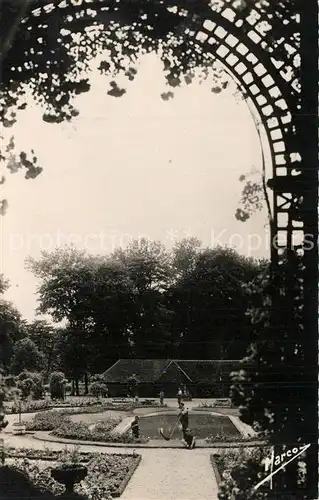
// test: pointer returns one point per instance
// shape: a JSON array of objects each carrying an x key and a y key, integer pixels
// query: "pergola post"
[{"x": 308, "y": 133}]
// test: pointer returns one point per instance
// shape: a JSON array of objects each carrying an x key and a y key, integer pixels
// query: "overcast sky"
[{"x": 130, "y": 167}]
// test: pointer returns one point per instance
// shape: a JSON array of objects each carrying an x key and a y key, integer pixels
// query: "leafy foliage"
[
  {"x": 26, "y": 356},
  {"x": 210, "y": 304},
  {"x": 45, "y": 336},
  {"x": 273, "y": 389},
  {"x": 57, "y": 383},
  {"x": 12, "y": 330},
  {"x": 49, "y": 50},
  {"x": 242, "y": 469},
  {"x": 145, "y": 302},
  {"x": 30, "y": 384},
  {"x": 98, "y": 389}
]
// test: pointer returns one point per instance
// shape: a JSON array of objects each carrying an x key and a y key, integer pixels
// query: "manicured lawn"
[
  {"x": 201, "y": 425},
  {"x": 93, "y": 418}
]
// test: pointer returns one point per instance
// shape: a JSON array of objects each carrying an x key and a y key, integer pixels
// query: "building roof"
[{"x": 150, "y": 370}]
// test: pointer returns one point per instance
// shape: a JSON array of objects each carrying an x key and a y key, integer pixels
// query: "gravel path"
[{"x": 173, "y": 475}]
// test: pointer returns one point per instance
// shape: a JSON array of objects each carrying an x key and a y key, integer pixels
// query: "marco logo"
[{"x": 275, "y": 463}]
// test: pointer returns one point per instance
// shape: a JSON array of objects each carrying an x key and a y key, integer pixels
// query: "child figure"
[
  {"x": 135, "y": 428},
  {"x": 188, "y": 439}
]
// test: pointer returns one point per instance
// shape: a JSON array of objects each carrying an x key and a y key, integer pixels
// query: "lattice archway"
[
  {"x": 266, "y": 73},
  {"x": 272, "y": 88}
]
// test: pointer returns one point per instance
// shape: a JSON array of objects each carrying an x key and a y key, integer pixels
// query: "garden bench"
[{"x": 19, "y": 429}]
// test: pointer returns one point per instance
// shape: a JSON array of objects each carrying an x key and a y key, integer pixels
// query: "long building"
[{"x": 201, "y": 378}]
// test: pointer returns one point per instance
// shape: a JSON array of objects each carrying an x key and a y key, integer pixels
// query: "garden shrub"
[
  {"x": 57, "y": 385},
  {"x": 30, "y": 384},
  {"x": 99, "y": 389}
]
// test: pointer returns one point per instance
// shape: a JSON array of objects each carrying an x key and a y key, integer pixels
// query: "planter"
[{"x": 69, "y": 476}]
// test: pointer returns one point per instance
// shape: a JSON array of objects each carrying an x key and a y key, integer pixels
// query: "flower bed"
[
  {"x": 237, "y": 471},
  {"x": 47, "y": 421},
  {"x": 101, "y": 432},
  {"x": 226, "y": 460},
  {"x": 226, "y": 467},
  {"x": 77, "y": 406},
  {"x": 62, "y": 426},
  {"x": 46, "y": 454},
  {"x": 107, "y": 476},
  {"x": 226, "y": 438},
  {"x": 28, "y": 407}
]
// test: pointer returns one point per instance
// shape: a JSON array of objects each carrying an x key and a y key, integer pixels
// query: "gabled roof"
[
  {"x": 151, "y": 370},
  {"x": 146, "y": 370},
  {"x": 206, "y": 370}
]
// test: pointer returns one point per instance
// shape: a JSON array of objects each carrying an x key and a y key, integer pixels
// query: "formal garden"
[{"x": 62, "y": 436}]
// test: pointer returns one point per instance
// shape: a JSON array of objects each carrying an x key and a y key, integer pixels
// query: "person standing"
[
  {"x": 161, "y": 397},
  {"x": 183, "y": 417},
  {"x": 135, "y": 428},
  {"x": 179, "y": 397}
]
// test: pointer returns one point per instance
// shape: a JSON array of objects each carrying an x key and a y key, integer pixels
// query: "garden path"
[{"x": 173, "y": 475}]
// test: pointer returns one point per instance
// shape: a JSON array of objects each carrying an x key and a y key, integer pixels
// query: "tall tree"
[
  {"x": 45, "y": 337},
  {"x": 12, "y": 327},
  {"x": 26, "y": 356},
  {"x": 148, "y": 266},
  {"x": 93, "y": 294},
  {"x": 210, "y": 305}
]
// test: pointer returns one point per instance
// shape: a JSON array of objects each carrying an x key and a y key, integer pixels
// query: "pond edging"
[{"x": 45, "y": 436}]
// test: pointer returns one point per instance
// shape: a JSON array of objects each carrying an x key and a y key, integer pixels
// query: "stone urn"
[{"x": 69, "y": 476}]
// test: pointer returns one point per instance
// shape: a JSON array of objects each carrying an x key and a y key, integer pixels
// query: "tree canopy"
[{"x": 147, "y": 302}]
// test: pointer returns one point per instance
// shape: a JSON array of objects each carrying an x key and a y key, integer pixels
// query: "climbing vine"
[{"x": 48, "y": 49}]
